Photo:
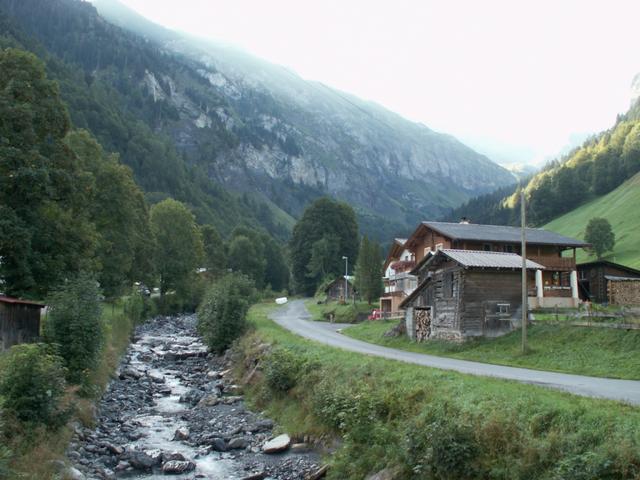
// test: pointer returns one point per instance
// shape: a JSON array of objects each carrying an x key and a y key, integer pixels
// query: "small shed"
[
  {"x": 464, "y": 294},
  {"x": 19, "y": 321},
  {"x": 602, "y": 281},
  {"x": 335, "y": 290}
]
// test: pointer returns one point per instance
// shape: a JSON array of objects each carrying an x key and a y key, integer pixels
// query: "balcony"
[{"x": 559, "y": 264}]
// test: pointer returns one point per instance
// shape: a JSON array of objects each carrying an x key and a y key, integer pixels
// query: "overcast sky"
[{"x": 515, "y": 80}]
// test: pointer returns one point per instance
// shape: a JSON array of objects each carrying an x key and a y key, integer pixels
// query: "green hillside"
[{"x": 622, "y": 208}]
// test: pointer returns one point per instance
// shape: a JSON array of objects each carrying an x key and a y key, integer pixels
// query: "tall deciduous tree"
[
  {"x": 245, "y": 256},
  {"x": 600, "y": 235},
  {"x": 215, "y": 255},
  {"x": 369, "y": 271},
  {"x": 322, "y": 218},
  {"x": 178, "y": 243},
  {"x": 45, "y": 196}
]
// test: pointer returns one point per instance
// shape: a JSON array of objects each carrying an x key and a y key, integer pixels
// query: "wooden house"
[
  {"x": 398, "y": 281},
  {"x": 335, "y": 290},
  {"x": 554, "y": 286},
  {"x": 19, "y": 321},
  {"x": 602, "y": 281},
  {"x": 466, "y": 293}
]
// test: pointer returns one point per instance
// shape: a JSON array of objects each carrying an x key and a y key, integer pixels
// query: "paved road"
[{"x": 295, "y": 317}]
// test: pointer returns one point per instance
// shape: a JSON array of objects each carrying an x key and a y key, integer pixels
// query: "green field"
[
  {"x": 622, "y": 208},
  {"x": 600, "y": 352},
  {"x": 348, "y": 313},
  {"x": 432, "y": 424}
]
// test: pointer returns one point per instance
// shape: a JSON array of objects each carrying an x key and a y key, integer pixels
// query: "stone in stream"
[
  {"x": 278, "y": 444},
  {"x": 209, "y": 401},
  {"x": 192, "y": 396},
  {"x": 218, "y": 445},
  {"x": 238, "y": 443},
  {"x": 142, "y": 461},
  {"x": 255, "y": 476},
  {"x": 181, "y": 433},
  {"x": 130, "y": 372},
  {"x": 175, "y": 467},
  {"x": 167, "y": 457}
]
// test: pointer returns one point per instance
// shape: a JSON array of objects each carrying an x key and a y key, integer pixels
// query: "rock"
[
  {"x": 156, "y": 377},
  {"x": 278, "y": 444},
  {"x": 167, "y": 457},
  {"x": 130, "y": 373},
  {"x": 74, "y": 474},
  {"x": 214, "y": 375},
  {"x": 209, "y": 401},
  {"x": 155, "y": 455},
  {"x": 232, "y": 399},
  {"x": 300, "y": 447},
  {"x": 386, "y": 474},
  {"x": 255, "y": 476},
  {"x": 181, "y": 433},
  {"x": 175, "y": 467},
  {"x": 114, "y": 449},
  {"x": 142, "y": 461},
  {"x": 218, "y": 445},
  {"x": 192, "y": 396},
  {"x": 238, "y": 443},
  {"x": 320, "y": 473},
  {"x": 122, "y": 466}
]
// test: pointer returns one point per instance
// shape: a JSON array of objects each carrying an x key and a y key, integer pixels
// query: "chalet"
[
  {"x": 602, "y": 281},
  {"x": 398, "y": 281},
  {"x": 19, "y": 321},
  {"x": 466, "y": 293},
  {"x": 335, "y": 290},
  {"x": 554, "y": 285}
]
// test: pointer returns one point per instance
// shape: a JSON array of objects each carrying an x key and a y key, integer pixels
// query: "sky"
[{"x": 517, "y": 80}]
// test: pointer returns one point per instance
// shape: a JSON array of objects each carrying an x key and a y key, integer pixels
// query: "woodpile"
[
  {"x": 624, "y": 292},
  {"x": 422, "y": 319}
]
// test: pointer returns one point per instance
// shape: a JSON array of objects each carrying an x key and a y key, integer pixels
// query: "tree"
[
  {"x": 74, "y": 325},
  {"x": 324, "y": 256},
  {"x": 178, "y": 244},
  {"x": 215, "y": 255},
  {"x": 600, "y": 235},
  {"x": 223, "y": 311},
  {"x": 276, "y": 271},
  {"x": 369, "y": 270},
  {"x": 246, "y": 257},
  {"x": 323, "y": 218},
  {"x": 45, "y": 195}
]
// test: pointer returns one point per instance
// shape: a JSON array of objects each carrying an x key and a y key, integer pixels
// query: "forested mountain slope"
[
  {"x": 600, "y": 165},
  {"x": 245, "y": 124},
  {"x": 620, "y": 207}
]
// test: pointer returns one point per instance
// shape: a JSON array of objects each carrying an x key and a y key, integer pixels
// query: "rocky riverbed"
[{"x": 174, "y": 410}]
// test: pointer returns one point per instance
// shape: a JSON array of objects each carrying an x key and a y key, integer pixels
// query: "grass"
[
  {"x": 392, "y": 414},
  {"x": 616, "y": 206},
  {"x": 347, "y": 313},
  {"x": 600, "y": 352},
  {"x": 36, "y": 451}
]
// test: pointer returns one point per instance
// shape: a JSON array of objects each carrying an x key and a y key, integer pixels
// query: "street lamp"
[{"x": 346, "y": 273}]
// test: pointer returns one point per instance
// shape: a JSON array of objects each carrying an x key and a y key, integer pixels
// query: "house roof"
[
  {"x": 395, "y": 251},
  {"x": 350, "y": 279},
  {"x": 476, "y": 258},
  {"x": 610, "y": 264},
  {"x": 501, "y": 233},
  {"x": 17, "y": 301},
  {"x": 615, "y": 278}
]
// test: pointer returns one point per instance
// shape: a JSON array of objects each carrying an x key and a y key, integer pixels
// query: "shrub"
[
  {"x": 74, "y": 326},
  {"x": 283, "y": 366},
  {"x": 5, "y": 453},
  {"x": 223, "y": 311},
  {"x": 32, "y": 384}
]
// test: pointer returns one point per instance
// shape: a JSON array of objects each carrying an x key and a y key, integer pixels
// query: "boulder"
[
  {"x": 238, "y": 443},
  {"x": 181, "y": 433},
  {"x": 209, "y": 401},
  {"x": 218, "y": 445},
  {"x": 142, "y": 461},
  {"x": 255, "y": 476},
  {"x": 74, "y": 474},
  {"x": 278, "y": 444},
  {"x": 176, "y": 467},
  {"x": 167, "y": 457}
]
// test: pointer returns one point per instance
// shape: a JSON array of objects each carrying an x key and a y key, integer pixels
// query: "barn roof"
[
  {"x": 476, "y": 258},
  {"x": 501, "y": 233},
  {"x": 18, "y": 301},
  {"x": 595, "y": 263}
]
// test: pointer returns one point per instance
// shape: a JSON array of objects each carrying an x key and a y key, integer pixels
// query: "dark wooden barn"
[
  {"x": 602, "y": 281},
  {"x": 466, "y": 293},
  {"x": 335, "y": 290},
  {"x": 19, "y": 321}
]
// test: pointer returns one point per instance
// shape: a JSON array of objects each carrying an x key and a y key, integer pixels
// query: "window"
[
  {"x": 486, "y": 247},
  {"x": 508, "y": 248},
  {"x": 503, "y": 308}
]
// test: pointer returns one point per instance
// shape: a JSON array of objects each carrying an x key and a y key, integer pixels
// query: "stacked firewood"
[{"x": 422, "y": 323}]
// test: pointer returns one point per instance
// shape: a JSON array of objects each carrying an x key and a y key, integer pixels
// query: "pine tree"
[{"x": 369, "y": 271}]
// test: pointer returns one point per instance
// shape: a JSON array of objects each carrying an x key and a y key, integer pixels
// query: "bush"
[
  {"x": 32, "y": 384},
  {"x": 222, "y": 315},
  {"x": 74, "y": 326},
  {"x": 5, "y": 453},
  {"x": 283, "y": 366}
]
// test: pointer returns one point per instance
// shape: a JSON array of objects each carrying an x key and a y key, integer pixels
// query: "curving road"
[{"x": 295, "y": 317}]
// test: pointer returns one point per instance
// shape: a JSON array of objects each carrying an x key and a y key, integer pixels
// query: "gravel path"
[{"x": 295, "y": 317}]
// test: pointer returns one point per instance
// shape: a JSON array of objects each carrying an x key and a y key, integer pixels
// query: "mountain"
[
  {"x": 254, "y": 127},
  {"x": 600, "y": 165},
  {"x": 616, "y": 206}
]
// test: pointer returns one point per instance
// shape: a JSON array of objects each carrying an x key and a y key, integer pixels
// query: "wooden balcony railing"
[{"x": 554, "y": 263}]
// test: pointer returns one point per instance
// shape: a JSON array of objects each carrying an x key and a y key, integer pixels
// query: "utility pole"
[
  {"x": 346, "y": 282},
  {"x": 523, "y": 250}
]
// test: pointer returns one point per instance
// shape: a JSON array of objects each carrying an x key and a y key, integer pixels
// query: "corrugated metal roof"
[
  {"x": 500, "y": 233},
  {"x": 615, "y": 278},
  {"x": 17, "y": 301},
  {"x": 400, "y": 241},
  {"x": 475, "y": 258}
]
